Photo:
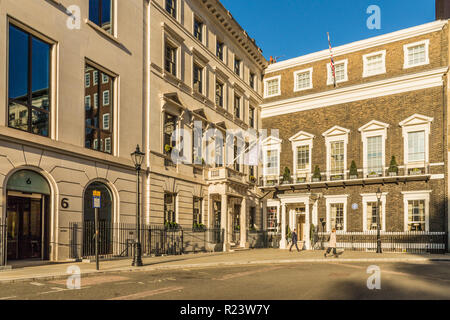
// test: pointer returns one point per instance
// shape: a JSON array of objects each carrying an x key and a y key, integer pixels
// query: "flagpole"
[{"x": 332, "y": 60}]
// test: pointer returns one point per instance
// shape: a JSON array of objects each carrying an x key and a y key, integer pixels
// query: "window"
[
  {"x": 416, "y": 206},
  {"x": 198, "y": 78},
  {"x": 416, "y": 215},
  {"x": 237, "y": 106},
  {"x": 218, "y": 152},
  {"x": 370, "y": 203},
  {"x": 251, "y": 117},
  {"x": 169, "y": 207},
  {"x": 340, "y": 71},
  {"x": 87, "y": 102},
  {"x": 106, "y": 98},
  {"x": 303, "y": 158},
  {"x": 170, "y": 125},
  {"x": 171, "y": 7},
  {"x": 252, "y": 80},
  {"x": 98, "y": 119},
  {"x": 87, "y": 80},
  {"x": 95, "y": 100},
  {"x": 375, "y": 154},
  {"x": 106, "y": 121},
  {"x": 220, "y": 50},
  {"x": 28, "y": 82},
  {"x": 198, "y": 29},
  {"x": 337, "y": 157},
  {"x": 237, "y": 66},
  {"x": 105, "y": 78},
  {"x": 170, "y": 60},
  {"x": 336, "y": 206},
  {"x": 416, "y": 146},
  {"x": 272, "y": 166},
  {"x": 272, "y": 87},
  {"x": 197, "y": 219},
  {"x": 252, "y": 218},
  {"x": 272, "y": 225},
  {"x": 236, "y": 155},
  {"x": 416, "y": 54},
  {"x": 416, "y": 131},
  {"x": 337, "y": 216},
  {"x": 303, "y": 79},
  {"x": 95, "y": 77},
  {"x": 100, "y": 13},
  {"x": 219, "y": 94},
  {"x": 374, "y": 63},
  {"x": 336, "y": 140}
]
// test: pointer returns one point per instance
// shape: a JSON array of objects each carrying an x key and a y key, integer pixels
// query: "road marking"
[
  {"x": 89, "y": 281},
  {"x": 146, "y": 294},
  {"x": 243, "y": 274},
  {"x": 6, "y": 298},
  {"x": 37, "y": 284}
]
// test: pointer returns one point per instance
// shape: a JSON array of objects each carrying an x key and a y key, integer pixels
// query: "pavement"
[{"x": 52, "y": 271}]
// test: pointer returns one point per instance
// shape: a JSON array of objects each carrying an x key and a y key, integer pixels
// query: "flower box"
[
  {"x": 316, "y": 179},
  {"x": 337, "y": 177},
  {"x": 392, "y": 173}
]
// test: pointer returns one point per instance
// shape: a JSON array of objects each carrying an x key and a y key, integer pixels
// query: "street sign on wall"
[{"x": 96, "y": 204}]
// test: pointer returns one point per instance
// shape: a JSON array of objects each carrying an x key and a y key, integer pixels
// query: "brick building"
[{"x": 384, "y": 126}]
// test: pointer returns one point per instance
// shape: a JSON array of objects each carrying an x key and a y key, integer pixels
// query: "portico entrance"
[{"x": 27, "y": 216}]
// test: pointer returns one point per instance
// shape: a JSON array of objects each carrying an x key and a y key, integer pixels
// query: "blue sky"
[{"x": 291, "y": 28}]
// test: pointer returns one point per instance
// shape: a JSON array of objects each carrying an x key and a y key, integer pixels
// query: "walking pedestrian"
[
  {"x": 294, "y": 241},
  {"x": 331, "y": 244}
]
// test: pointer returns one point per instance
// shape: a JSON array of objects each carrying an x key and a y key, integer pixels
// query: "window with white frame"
[
  {"x": 106, "y": 98},
  {"x": 87, "y": 102},
  {"x": 373, "y": 136},
  {"x": 105, "y": 78},
  {"x": 340, "y": 68},
  {"x": 95, "y": 77},
  {"x": 271, "y": 148},
  {"x": 95, "y": 100},
  {"x": 416, "y": 131},
  {"x": 272, "y": 165},
  {"x": 108, "y": 145},
  {"x": 416, "y": 54},
  {"x": 301, "y": 147},
  {"x": 370, "y": 207},
  {"x": 106, "y": 119},
  {"x": 416, "y": 210},
  {"x": 374, "y": 63},
  {"x": 336, "y": 212},
  {"x": 303, "y": 79},
  {"x": 87, "y": 80},
  {"x": 336, "y": 140},
  {"x": 272, "y": 222},
  {"x": 272, "y": 87}
]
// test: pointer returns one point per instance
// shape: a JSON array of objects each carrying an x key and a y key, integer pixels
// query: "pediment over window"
[
  {"x": 374, "y": 125},
  {"x": 301, "y": 135},
  {"x": 416, "y": 119},
  {"x": 271, "y": 141},
  {"x": 336, "y": 131},
  {"x": 171, "y": 101}
]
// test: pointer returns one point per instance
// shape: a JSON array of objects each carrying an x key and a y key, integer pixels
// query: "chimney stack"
[{"x": 442, "y": 9}]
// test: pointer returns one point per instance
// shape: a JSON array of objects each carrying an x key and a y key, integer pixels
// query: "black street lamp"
[
  {"x": 322, "y": 221},
  {"x": 138, "y": 157},
  {"x": 378, "y": 194}
]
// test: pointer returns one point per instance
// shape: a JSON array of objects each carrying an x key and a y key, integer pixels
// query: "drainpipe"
[{"x": 146, "y": 107}]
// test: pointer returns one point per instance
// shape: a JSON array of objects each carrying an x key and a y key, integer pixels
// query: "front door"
[
  {"x": 24, "y": 228},
  {"x": 301, "y": 226}
]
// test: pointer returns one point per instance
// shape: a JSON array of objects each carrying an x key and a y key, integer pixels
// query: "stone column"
[
  {"x": 308, "y": 225},
  {"x": 224, "y": 222},
  {"x": 243, "y": 222},
  {"x": 283, "y": 226}
]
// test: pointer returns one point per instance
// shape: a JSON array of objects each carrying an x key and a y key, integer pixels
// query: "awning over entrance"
[{"x": 29, "y": 182}]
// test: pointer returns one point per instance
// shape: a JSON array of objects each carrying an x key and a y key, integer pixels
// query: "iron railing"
[
  {"x": 116, "y": 240},
  {"x": 409, "y": 241}
]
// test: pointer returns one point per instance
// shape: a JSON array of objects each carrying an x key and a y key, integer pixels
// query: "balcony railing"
[
  {"x": 225, "y": 173},
  {"x": 409, "y": 170}
]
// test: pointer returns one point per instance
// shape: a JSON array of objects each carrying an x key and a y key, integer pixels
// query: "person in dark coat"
[{"x": 294, "y": 240}]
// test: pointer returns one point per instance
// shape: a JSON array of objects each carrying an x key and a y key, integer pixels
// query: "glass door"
[{"x": 12, "y": 229}]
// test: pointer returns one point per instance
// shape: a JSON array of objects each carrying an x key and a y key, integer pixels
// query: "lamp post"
[
  {"x": 378, "y": 194},
  {"x": 138, "y": 157},
  {"x": 322, "y": 221}
]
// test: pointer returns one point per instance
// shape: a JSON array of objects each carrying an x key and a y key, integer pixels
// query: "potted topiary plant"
[
  {"x": 353, "y": 170},
  {"x": 316, "y": 176},
  {"x": 286, "y": 176},
  {"x": 393, "y": 167}
]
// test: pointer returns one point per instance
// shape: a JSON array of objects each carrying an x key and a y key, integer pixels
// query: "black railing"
[
  {"x": 409, "y": 241},
  {"x": 117, "y": 240}
]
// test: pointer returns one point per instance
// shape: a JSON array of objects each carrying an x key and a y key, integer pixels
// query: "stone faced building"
[
  {"x": 71, "y": 92},
  {"x": 204, "y": 70},
  {"x": 383, "y": 127}
]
